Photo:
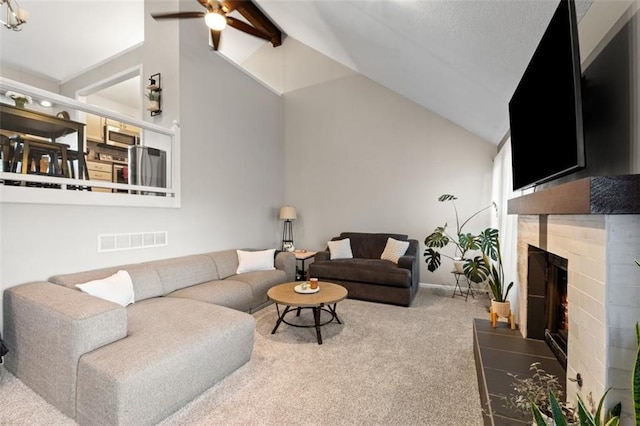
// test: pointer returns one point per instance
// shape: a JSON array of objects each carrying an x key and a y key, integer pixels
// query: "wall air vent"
[{"x": 134, "y": 240}]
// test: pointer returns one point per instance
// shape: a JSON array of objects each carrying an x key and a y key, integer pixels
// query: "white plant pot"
[
  {"x": 458, "y": 265},
  {"x": 502, "y": 309}
]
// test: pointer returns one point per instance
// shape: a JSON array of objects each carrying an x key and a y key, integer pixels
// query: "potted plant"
[
  {"x": 488, "y": 266},
  {"x": 20, "y": 100},
  {"x": 534, "y": 389},
  {"x": 154, "y": 100},
  {"x": 585, "y": 416},
  {"x": 538, "y": 395},
  {"x": 440, "y": 238}
]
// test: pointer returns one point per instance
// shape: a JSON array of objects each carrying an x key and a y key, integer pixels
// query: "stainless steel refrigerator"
[{"x": 147, "y": 167}]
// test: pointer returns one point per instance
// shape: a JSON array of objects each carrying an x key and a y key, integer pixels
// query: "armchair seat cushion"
[{"x": 374, "y": 271}]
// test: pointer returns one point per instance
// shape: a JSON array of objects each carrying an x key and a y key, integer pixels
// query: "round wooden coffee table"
[{"x": 324, "y": 300}]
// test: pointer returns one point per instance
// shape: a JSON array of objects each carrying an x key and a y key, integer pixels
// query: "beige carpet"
[{"x": 385, "y": 365}]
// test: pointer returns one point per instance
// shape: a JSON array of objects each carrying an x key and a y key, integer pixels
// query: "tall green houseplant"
[
  {"x": 488, "y": 266},
  {"x": 441, "y": 237}
]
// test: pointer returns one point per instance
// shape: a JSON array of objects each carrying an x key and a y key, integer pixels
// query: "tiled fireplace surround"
[{"x": 603, "y": 295}]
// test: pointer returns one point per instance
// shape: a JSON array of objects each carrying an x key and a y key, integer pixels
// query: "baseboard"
[{"x": 429, "y": 285}]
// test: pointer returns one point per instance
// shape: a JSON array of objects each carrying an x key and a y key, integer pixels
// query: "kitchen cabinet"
[
  {"x": 123, "y": 126},
  {"x": 100, "y": 171},
  {"x": 95, "y": 128}
]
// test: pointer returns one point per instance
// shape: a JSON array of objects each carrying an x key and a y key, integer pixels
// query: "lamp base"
[{"x": 287, "y": 236}]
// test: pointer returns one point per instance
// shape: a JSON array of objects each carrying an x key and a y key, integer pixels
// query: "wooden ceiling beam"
[{"x": 257, "y": 18}]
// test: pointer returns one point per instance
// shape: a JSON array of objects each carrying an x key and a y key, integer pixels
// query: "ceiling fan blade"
[
  {"x": 214, "y": 39},
  {"x": 259, "y": 20},
  {"x": 242, "y": 26},
  {"x": 178, "y": 15}
]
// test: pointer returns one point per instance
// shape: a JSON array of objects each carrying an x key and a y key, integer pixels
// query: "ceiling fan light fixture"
[{"x": 215, "y": 20}]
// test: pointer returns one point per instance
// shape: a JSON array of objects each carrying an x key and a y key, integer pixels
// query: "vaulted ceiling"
[{"x": 461, "y": 59}]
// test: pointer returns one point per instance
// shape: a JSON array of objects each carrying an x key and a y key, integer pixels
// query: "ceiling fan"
[{"x": 217, "y": 18}]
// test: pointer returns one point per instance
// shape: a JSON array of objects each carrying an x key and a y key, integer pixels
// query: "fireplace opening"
[{"x": 548, "y": 308}]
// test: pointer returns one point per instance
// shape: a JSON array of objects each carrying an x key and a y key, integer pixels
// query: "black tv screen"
[{"x": 545, "y": 112}]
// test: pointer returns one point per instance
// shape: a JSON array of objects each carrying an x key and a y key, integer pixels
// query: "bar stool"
[
  {"x": 57, "y": 152},
  {"x": 8, "y": 151},
  {"x": 72, "y": 157}
]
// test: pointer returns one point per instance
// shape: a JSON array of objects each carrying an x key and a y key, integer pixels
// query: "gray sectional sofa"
[{"x": 101, "y": 363}]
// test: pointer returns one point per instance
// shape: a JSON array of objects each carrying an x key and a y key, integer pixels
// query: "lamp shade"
[{"x": 288, "y": 213}]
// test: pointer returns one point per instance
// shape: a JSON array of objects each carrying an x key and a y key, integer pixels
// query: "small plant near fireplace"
[
  {"x": 584, "y": 415},
  {"x": 538, "y": 395},
  {"x": 534, "y": 390}
]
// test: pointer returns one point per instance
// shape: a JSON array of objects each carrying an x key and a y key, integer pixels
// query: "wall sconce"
[
  {"x": 154, "y": 87},
  {"x": 288, "y": 214}
]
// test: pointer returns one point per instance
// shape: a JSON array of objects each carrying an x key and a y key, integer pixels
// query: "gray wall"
[
  {"x": 231, "y": 177},
  {"x": 358, "y": 157}
]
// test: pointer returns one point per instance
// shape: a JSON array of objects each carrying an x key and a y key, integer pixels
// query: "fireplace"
[
  {"x": 548, "y": 313},
  {"x": 595, "y": 225}
]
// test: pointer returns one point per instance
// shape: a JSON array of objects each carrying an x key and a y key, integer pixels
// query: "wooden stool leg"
[
  {"x": 493, "y": 317},
  {"x": 512, "y": 321}
]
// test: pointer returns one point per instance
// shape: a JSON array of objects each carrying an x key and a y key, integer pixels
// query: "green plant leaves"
[
  {"x": 438, "y": 238},
  {"x": 490, "y": 243},
  {"x": 537, "y": 416},
  {"x": 477, "y": 270},
  {"x": 468, "y": 242},
  {"x": 432, "y": 258},
  {"x": 558, "y": 416},
  {"x": 447, "y": 197}
]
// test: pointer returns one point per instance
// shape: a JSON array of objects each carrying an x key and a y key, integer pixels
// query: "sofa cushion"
[
  {"x": 394, "y": 250},
  {"x": 226, "y": 261},
  {"x": 366, "y": 245},
  {"x": 185, "y": 271},
  {"x": 175, "y": 349},
  {"x": 374, "y": 271},
  {"x": 260, "y": 282},
  {"x": 146, "y": 282},
  {"x": 232, "y": 294},
  {"x": 340, "y": 249}
]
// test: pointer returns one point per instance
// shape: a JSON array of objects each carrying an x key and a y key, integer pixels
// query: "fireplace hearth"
[{"x": 548, "y": 313}]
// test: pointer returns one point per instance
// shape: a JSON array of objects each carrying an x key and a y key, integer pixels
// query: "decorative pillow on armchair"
[
  {"x": 394, "y": 250},
  {"x": 340, "y": 249}
]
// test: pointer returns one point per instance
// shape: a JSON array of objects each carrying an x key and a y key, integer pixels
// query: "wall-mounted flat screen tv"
[{"x": 545, "y": 112}]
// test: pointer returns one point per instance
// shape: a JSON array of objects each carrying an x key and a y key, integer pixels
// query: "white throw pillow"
[
  {"x": 255, "y": 260},
  {"x": 394, "y": 250},
  {"x": 340, "y": 249},
  {"x": 117, "y": 288}
]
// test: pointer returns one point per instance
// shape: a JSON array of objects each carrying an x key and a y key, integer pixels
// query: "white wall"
[
  {"x": 231, "y": 177},
  {"x": 359, "y": 157}
]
